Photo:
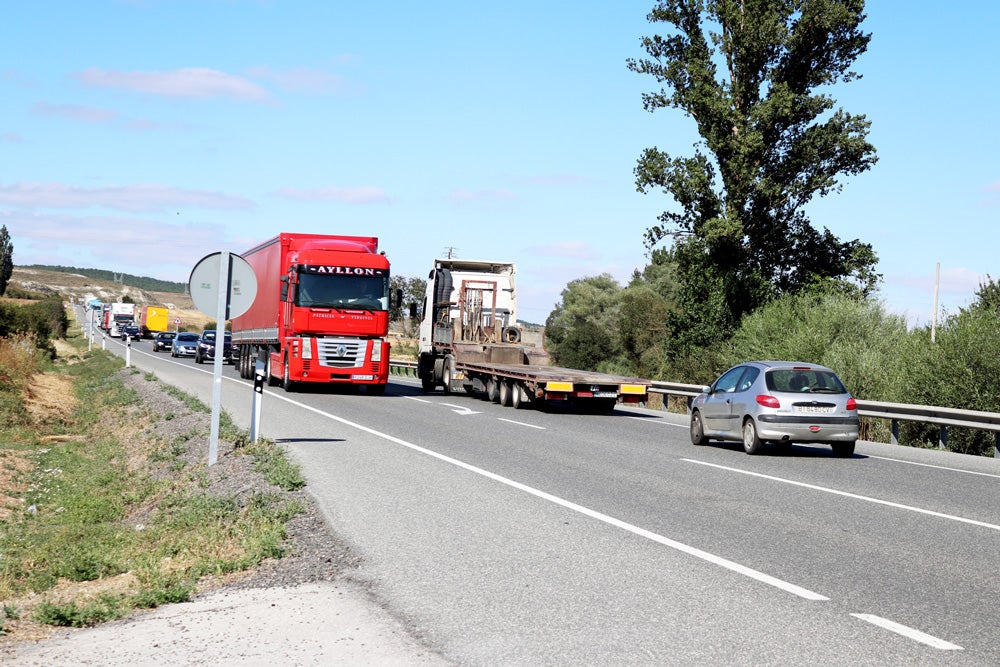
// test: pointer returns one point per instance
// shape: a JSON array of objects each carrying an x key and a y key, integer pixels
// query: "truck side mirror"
[
  {"x": 413, "y": 310},
  {"x": 284, "y": 288},
  {"x": 399, "y": 298}
]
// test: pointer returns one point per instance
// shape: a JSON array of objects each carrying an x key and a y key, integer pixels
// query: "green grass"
[{"x": 97, "y": 514}]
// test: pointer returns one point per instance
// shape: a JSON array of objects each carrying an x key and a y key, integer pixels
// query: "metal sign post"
[{"x": 231, "y": 282}]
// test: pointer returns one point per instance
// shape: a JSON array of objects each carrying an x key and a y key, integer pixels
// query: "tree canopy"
[
  {"x": 6, "y": 259},
  {"x": 748, "y": 72}
]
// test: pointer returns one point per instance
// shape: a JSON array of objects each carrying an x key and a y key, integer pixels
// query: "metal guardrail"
[
  {"x": 894, "y": 412},
  {"x": 403, "y": 368}
]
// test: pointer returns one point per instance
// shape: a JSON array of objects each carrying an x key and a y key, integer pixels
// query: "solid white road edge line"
[
  {"x": 641, "y": 532},
  {"x": 909, "y": 632},
  {"x": 658, "y": 421},
  {"x": 846, "y": 494},
  {"x": 931, "y": 465}
]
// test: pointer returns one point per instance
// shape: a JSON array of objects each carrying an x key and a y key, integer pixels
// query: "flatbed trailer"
[{"x": 518, "y": 386}]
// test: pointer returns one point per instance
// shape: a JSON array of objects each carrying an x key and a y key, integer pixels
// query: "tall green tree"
[
  {"x": 752, "y": 75},
  {"x": 6, "y": 259},
  {"x": 582, "y": 331}
]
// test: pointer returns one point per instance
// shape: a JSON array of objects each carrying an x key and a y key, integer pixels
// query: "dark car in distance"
[
  {"x": 207, "y": 345},
  {"x": 163, "y": 340},
  {"x": 131, "y": 332},
  {"x": 185, "y": 344}
]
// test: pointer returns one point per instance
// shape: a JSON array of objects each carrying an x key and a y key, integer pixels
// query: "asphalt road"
[{"x": 527, "y": 537}]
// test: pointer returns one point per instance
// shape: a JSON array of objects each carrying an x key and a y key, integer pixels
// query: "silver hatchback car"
[{"x": 779, "y": 401}]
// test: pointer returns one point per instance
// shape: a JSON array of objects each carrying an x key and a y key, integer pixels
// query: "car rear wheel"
[
  {"x": 843, "y": 449},
  {"x": 752, "y": 444},
  {"x": 697, "y": 429}
]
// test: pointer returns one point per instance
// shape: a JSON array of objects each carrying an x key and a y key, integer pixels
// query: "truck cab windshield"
[{"x": 343, "y": 291}]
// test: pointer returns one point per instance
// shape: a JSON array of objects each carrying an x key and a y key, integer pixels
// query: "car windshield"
[
  {"x": 165, "y": 335},
  {"x": 190, "y": 337},
  {"x": 805, "y": 380}
]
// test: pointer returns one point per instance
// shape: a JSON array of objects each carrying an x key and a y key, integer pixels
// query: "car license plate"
[
  {"x": 605, "y": 394},
  {"x": 813, "y": 409}
]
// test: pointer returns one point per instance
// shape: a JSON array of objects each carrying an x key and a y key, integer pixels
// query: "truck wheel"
[
  {"x": 504, "y": 393},
  {"x": 492, "y": 390},
  {"x": 286, "y": 383},
  {"x": 518, "y": 396},
  {"x": 447, "y": 372}
]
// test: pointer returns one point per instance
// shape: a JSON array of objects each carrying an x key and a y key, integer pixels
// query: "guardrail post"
[
  {"x": 894, "y": 431},
  {"x": 996, "y": 445},
  {"x": 943, "y": 438}
]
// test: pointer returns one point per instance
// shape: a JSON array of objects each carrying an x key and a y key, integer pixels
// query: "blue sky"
[{"x": 139, "y": 136}]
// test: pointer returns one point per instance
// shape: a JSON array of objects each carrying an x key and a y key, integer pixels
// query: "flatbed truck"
[{"x": 470, "y": 341}]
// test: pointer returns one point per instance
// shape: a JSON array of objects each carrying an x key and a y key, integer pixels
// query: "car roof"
[{"x": 769, "y": 365}]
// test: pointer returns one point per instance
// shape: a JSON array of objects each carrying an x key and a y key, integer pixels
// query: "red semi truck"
[{"x": 321, "y": 314}]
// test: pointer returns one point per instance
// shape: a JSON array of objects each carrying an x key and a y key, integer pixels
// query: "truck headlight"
[{"x": 377, "y": 349}]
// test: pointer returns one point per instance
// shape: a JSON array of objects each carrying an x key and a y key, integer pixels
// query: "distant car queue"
[{"x": 190, "y": 344}]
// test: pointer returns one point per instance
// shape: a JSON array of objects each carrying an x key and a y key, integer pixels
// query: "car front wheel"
[
  {"x": 697, "y": 429},
  {"x": 752, "y": 444}
]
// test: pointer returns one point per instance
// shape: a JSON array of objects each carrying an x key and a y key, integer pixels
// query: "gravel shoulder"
[{"x": 302, "y": 609}]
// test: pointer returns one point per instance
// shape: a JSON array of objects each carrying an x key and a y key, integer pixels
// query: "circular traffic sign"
[{"x": 205, "y": 284}]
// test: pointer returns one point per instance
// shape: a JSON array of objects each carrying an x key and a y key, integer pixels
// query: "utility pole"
[{"x": 937, "y": 283}]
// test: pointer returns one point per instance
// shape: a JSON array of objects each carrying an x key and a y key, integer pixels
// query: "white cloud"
[
  {"x": 134, "y": 245},
  {"x": 300, "y": 79},
  {"x": 87, "y": 114},
  {"x": 481, "y": 195},
  {"x": 355, "y": 195},
  {"x": 122, "y": 198},
  {"x": 193, "y": 82}
]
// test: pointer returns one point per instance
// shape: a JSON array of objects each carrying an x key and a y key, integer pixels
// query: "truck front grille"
[{"x": 341, "y": 352}]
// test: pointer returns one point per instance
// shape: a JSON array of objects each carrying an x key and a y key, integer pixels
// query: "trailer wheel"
[
  {"x": 504, "y": 395},
  {"x": 518, "y": 397},
  {"x": 492, "y": 390}
]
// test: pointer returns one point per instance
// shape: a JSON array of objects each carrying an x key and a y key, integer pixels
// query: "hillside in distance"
[
  {"x": 79, "y": 287},
  {"x": 140, "y": 282}
]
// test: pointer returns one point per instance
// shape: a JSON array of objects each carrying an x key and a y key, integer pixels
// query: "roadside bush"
[
  {"x": 958, "y": 370},
  {"x": 864, "y": 344}
]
